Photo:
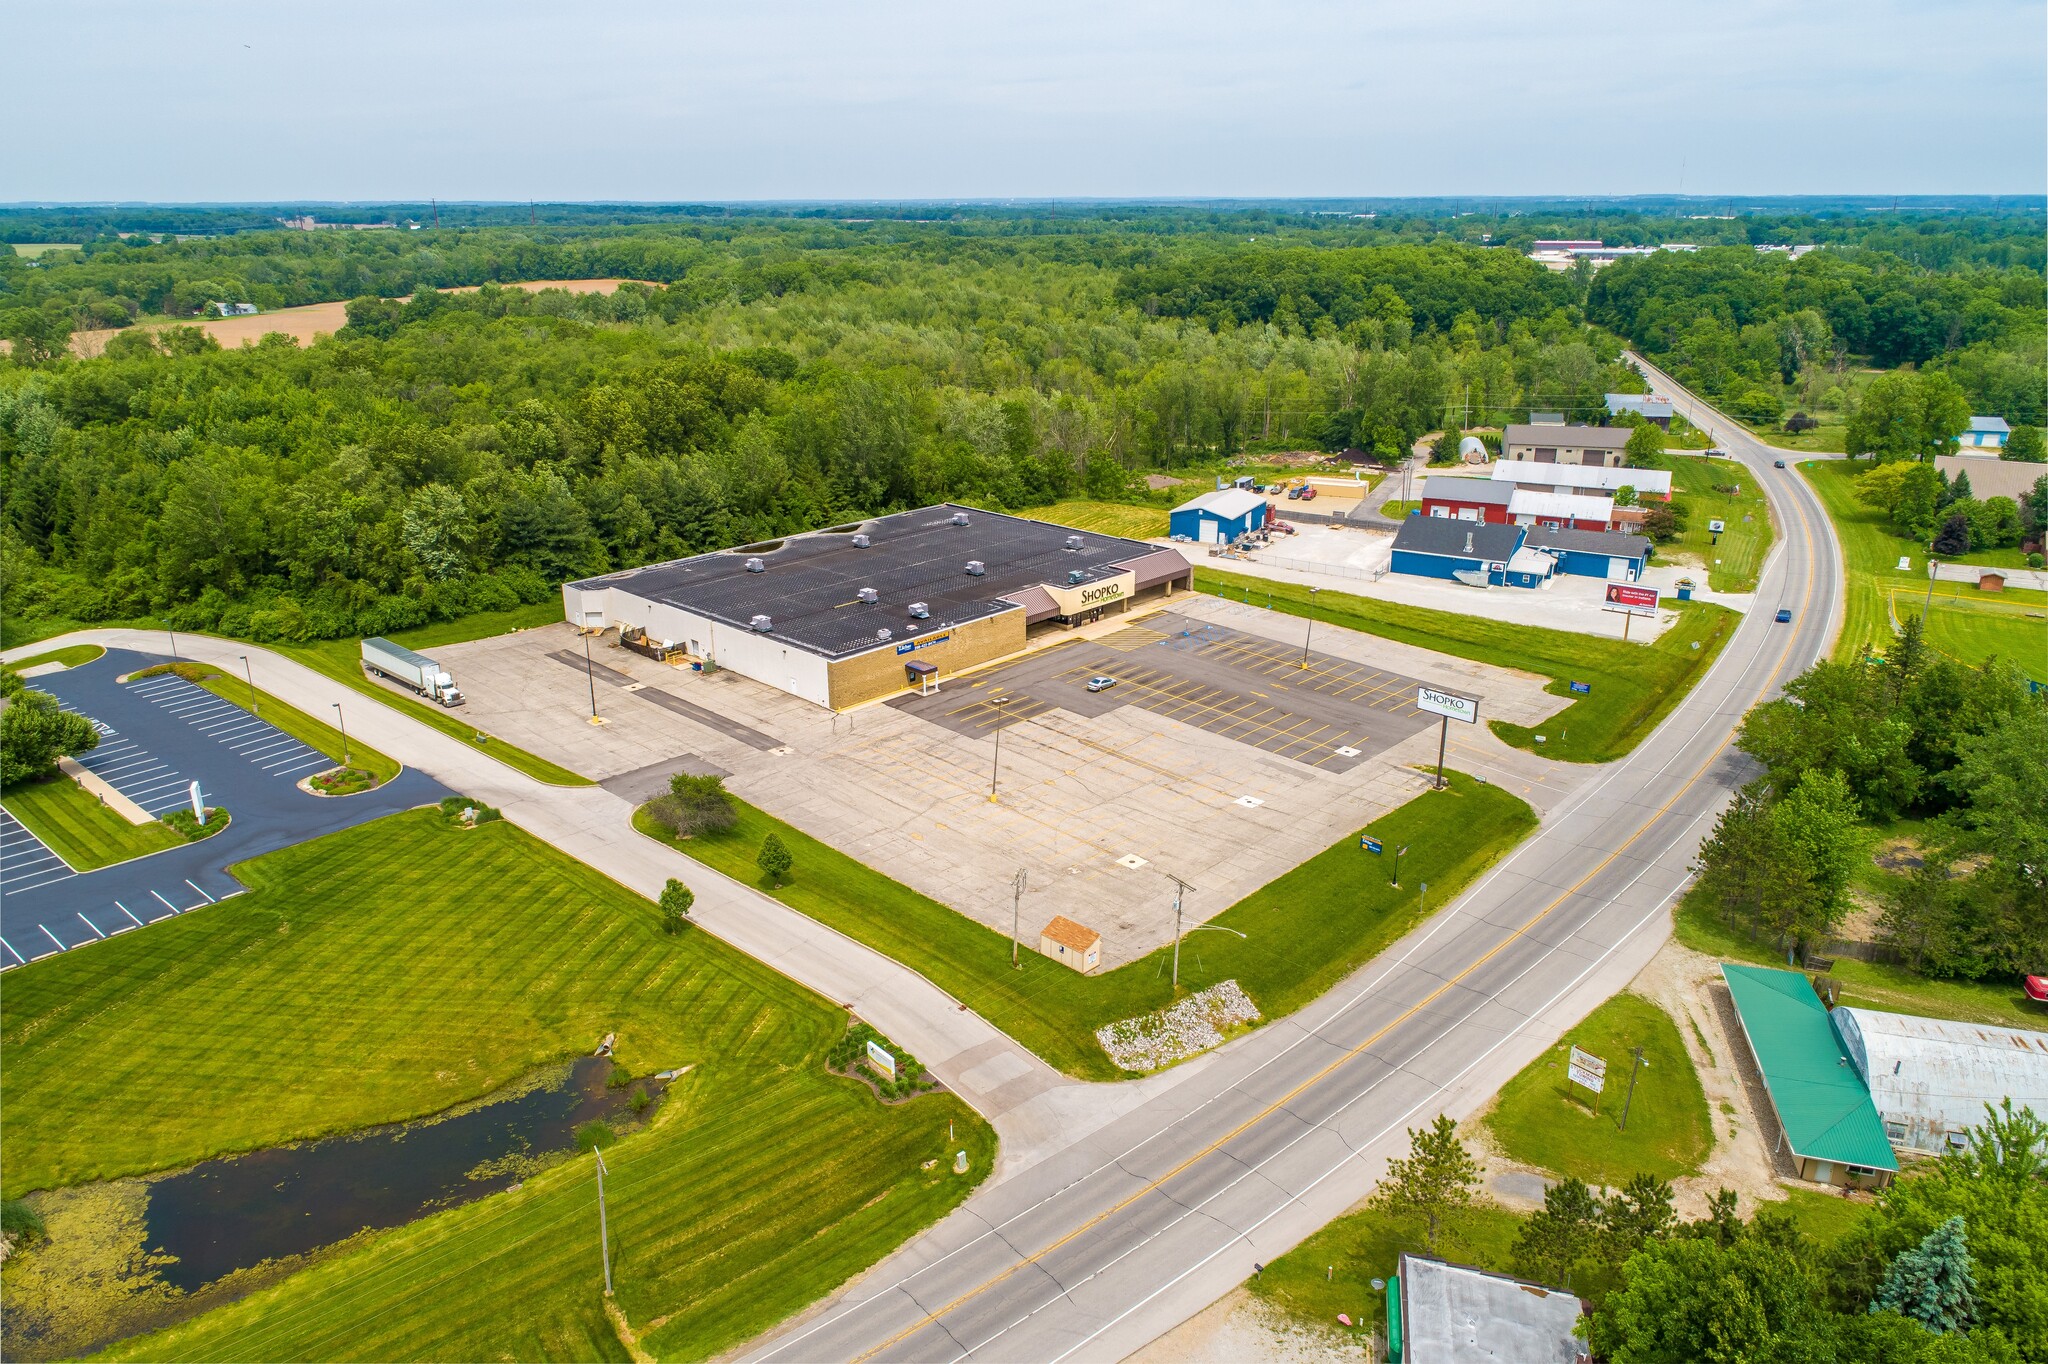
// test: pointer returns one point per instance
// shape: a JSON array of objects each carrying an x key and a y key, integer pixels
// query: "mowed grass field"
[
  {"x": 1633, "y": 685},
  {"x": 342, "y": 660},
  {"x": 396, "y": 969},
  {"x": 73, "y": 824},
  {"x": 1962, "y": 621},
  {"x": 1304, "y": 931},
  {"x": 1733, "y": 564},
  {"x": 71, "y": 656},
  {"x": 1544, "y": 1120},
  {"x": 1105, "y": 518}
]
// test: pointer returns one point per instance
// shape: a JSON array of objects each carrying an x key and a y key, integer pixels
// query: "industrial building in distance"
[{"x": 857, "y": 612}]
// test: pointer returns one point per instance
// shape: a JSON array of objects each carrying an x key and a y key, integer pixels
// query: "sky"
[{"x": 665, "y": 100}]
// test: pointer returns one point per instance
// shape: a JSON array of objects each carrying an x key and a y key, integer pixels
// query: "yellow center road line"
[{"x": 1785, "y": 654}]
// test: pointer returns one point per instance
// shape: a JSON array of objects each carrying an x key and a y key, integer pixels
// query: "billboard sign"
[
  {"x": 880, "y": 1059},
  {"x": 1582, "y": 688},
  {"x": 1370, "y": 844},
  {"x": 1465, "y": 708},
  {"x": 1586, "y": 1070},
  {"x": 1632, "y": 597}
]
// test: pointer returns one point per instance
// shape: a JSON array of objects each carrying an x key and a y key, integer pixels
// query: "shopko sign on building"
[{"x": 1085, "y": 597}]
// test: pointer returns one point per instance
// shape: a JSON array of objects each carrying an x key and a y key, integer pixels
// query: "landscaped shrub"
[
  {"x": 693, "y": 806},
  {"x": 592, "y": 1135},
  {"x": 463, "y": 812},
  {"x": 191, "y": 829},
  {"x": 850, "y": 1054}
]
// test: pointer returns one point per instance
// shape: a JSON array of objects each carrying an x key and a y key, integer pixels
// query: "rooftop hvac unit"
[
  {"x": 861, "y": 542},
  {"x": 919, "y": 611},
  {"x": 1468, "y": 542},
  {"x": 762, "y": 623},
  {"x": 869, "y": 595},
  {"x": 883, "y": 634},
  {"x": 975, "y": 568},
  {"x": 1074, "y": 577},
  {"x": 1073, "y": 542},
  {"x": 959, "y": 518},
  {"x": 756, "y": 566}
]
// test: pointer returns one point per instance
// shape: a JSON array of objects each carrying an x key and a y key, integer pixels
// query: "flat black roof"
[
  {"x": 811, "y": 582},
  {"x": 1446, "y": 536}
]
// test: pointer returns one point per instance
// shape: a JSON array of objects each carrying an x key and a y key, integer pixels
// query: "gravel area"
[{"x": 1194, "y": 1025}]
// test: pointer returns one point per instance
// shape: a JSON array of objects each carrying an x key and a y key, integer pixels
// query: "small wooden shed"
[
  {"x": 1069, "y": 942},
  {"x": 1991, "y": 580}
]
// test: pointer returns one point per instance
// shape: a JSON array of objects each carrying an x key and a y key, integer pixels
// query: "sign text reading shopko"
[
  {"x": 1448, "y": 704},
  {"x": 1101, "y": 593}
]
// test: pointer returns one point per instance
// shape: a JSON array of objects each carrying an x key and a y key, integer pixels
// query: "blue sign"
[
  {"x": 1369, "y": 843},
  {"x": 1582, "y": 688}
]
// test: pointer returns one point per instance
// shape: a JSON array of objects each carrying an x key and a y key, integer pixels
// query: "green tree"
[
  {"x": 1819, "y": 821},
  {"x": 1434, "y": 1180},
  {"x": 1842, "y": 717},
  {"x": 34, "y": 733},
  {"x": 36, "y": 336},
  {"x": 2026, "y": 444},
  {"x": 1639, "y": 1212},
  {"x": 1888, "y": 421},
  {"x": 1746, "y": 862},
  {"x": 1556, "y": 1240},
  {"x": 1933, "y": 1283},
  {"x": 676, "y": 900},
  {"x": 696, "y": 805},
  {"x": 1918, "y": 502},
  {"x": 1953, "y": 537},
  {"x": 1645, "y": 446},
  {"x": 774, "y": 859}
]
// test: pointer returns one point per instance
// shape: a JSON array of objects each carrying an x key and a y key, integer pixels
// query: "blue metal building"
[
  {"x": 1594, "y": 553},
  {"x": 1469, "y": 552},
  {"x": 1219, "y": 517}
]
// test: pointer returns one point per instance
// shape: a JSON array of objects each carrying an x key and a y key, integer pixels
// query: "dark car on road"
[
  {"x": 1777, "y": 464},
  {"x": 1784, "y": 615}
]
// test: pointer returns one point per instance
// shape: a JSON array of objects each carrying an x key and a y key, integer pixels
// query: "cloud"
[{"x": 798, "y": 99}]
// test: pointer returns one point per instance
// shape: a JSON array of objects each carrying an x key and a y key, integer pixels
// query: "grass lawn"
[
  {"x": 1397, "y": 510},
  {"x": 1961, "y": 620},
  {"x": 341, "y": 659},
  {"x": 1732, "y": 565},
  {"x": 1634, "y": 685},
  {"x": 1305, "y": 931},
  {"x": 71, "y": 656},
  {"x": 75, "y": 826},
  {"x": 1826, "y": 1217},
  {"x": 1874, "y": 986},
  {"x": 1332, "y": 1271},
  {"x": 1544, "y": 1120},
  {"x": 396, "y": 969},
  {"x": 1105, "y": 518},
  {"x": 315, "y": 734}
]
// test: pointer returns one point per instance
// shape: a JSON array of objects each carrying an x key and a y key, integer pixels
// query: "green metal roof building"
[{"x": 1825, "y": 1116}]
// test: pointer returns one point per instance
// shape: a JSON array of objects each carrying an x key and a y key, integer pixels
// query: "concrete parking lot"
[
  {"x": 1216, "y": 757},
  {"x": 157, "y": 736}
]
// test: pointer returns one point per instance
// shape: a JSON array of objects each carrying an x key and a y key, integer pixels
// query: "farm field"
[
  {"x": 1293, "y": 951},
  {"x": 1733, "y": 564},
  {"x": 1633, "y": 685},
  {"x": 428, "y": 965},
  {"x": 1968, "y": 624}
]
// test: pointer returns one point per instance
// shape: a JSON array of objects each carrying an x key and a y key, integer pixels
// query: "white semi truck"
[{"x": 382, "y": 658}]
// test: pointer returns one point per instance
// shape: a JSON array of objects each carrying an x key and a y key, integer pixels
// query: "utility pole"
[
  {"x": 1928, "y": 605},
  {"x": 1016, "y": 909},
  {"x": 253, "y": 708},
  {"x": 174, "y": 642},
  {"x": 342, "y": 720},
  {"x": 590, "y": 676},
  {"x": 1309, "y": 633},
  {"x": 604, "y": 1243},
  {"x": 1636, "y": 1052},
  {"x": 997, "y": 766},
  {"x": 1179, "y": 887}
]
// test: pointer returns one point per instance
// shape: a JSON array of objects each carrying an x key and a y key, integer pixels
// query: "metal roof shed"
[
  {"x": 1823, "y": 1108},
  {"x": 1931, "y": 1077}
]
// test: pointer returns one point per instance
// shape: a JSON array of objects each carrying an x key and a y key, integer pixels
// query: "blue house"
[
  {"x": 1593, "y": 553},
  {"x": 1218, "y": 518},
  {"x": 1470, "y": 552},
  {"x": 1984, "y": 433}
]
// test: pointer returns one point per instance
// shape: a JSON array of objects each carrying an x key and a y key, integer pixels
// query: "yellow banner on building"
[{"x": 1085, "y": 597}]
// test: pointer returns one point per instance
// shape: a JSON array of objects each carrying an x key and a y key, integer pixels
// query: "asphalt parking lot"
[
  {"x": 1309, "y": 707},
  {"x": 157, "y": 736}
]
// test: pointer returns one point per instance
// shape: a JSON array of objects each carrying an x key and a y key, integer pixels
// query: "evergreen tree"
[
  {"x": 1933, "y": 1282},
  {"x": 1435, "y": 1178},
  {"x": 1553, "y": 1241},
  {"x": 1641, "y": 1212}
]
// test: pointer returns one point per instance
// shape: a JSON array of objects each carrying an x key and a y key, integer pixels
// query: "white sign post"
[
  {"x": 880, "y": 1059},
  {"x": 1451, "y": 706},
  {"x": 1588, "y": 1071}
]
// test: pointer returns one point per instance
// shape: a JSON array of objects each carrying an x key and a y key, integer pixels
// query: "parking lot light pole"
[
  {"x": 1399, "y": 850},
  {"x": 1309, "y": 633},
  {"x": 1636, "y": 1052},
  {"x": 604, "y": 1244},
  {"x": 342, "y": 720},
  {"x": 1928, "y": 605},
  {"x": 589, "y": 675},
  {"x": 254, "y": 709},
  {"x": 1016, "y": 909}
]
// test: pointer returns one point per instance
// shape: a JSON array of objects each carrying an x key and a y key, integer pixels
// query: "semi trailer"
[{"x": 416, "y": 672}]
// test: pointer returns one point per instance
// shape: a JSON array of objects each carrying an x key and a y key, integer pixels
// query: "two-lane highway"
[{"x": 1093, "y": 1252}]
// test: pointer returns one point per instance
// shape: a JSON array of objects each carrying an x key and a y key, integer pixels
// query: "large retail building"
[{"x": 853, "y": 613}]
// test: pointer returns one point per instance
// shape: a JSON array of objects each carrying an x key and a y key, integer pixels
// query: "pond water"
[{"x": 230, "y": 1214}]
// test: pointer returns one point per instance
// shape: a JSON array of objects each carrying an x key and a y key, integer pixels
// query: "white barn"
[{"x": 1930, "y": 1078}]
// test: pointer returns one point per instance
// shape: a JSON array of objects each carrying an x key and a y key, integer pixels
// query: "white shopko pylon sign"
[{"x": 198, "y": 810}]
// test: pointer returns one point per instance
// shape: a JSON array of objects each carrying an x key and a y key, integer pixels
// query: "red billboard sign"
[{"x": 1632, "y": 597}]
